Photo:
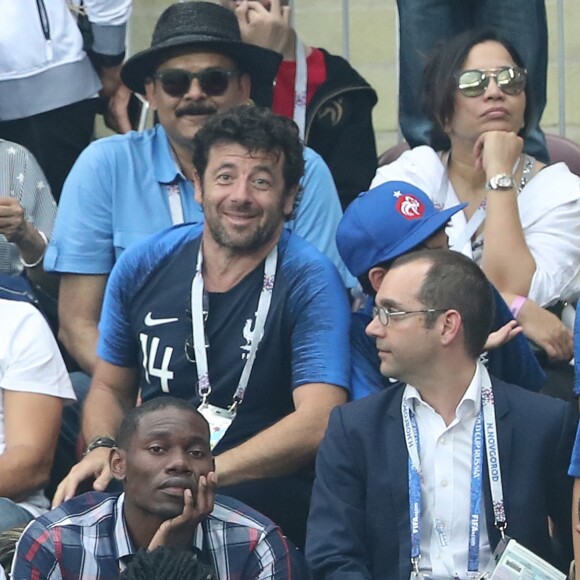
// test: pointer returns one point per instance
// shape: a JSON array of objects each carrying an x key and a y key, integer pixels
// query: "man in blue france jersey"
[{"x": 238, "y": 315}]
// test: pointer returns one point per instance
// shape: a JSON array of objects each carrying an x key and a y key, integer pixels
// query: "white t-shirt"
[{"x": 29, "y": 362}]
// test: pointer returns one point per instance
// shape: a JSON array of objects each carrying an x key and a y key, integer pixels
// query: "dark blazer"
[{"x": 359, "y": 516}]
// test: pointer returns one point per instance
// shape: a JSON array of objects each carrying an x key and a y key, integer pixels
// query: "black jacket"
[{"x": 339, "y": 127}]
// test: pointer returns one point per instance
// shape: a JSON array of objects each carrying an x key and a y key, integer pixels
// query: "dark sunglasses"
[
  {"x": 510, "y": 79},
  {"x": 213, "y": 81}
]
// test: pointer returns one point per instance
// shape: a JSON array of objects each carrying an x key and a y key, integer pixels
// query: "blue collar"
[{"x": 166, "y": 167}]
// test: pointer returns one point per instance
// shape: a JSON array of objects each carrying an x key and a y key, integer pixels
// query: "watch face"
[
  {"x": 504, "y": 181},
  {"x": 501, "y": 181}
]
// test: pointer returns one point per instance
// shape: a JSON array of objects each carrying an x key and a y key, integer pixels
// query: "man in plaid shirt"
[{"x": 164, "y": 462}]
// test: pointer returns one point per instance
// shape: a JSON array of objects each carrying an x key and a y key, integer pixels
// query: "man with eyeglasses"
[
  {"x": 389, "y": 221},
  {"x": 125, "y": 188},
  {"x": 424, "y": 479},
  {"x": 239, "y": 316}
]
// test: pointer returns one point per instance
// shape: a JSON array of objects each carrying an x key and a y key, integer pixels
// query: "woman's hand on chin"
[{"x": 497, "y": 151}]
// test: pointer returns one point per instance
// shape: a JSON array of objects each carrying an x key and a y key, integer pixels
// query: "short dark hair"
[
  {"x": 455, "y": 282},
  {"x": 133, "y": 417},
  {"x": 364, "y": 281},
  {"x": 439, "y": 85},
  {"x": 255, "y": 129}
]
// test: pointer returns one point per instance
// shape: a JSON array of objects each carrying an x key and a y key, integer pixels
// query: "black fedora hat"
[{"x": 205, "y": 25}]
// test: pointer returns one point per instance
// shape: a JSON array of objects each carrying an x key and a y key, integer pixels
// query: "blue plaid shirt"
[{"x": 87, "y": 538}]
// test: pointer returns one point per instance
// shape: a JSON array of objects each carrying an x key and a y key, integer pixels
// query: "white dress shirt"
[{"x": 445, "y": 456}]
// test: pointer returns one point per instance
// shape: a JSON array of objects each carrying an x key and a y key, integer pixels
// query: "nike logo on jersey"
[{"x": 150, "y": 321}]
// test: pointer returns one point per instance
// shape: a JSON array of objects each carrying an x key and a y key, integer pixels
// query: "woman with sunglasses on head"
[{"x": 522, "y": 221}]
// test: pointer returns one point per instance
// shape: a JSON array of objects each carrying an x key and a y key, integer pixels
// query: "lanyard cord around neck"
[
  {"x": 174, "y": 200},
  {"x": 485, "y": 427},
  {"x": 200, "y": 343}
]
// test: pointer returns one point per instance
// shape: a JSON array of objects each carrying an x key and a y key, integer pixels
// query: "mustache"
[
  {"x": 242, "y": 208},
  {"x": 195, "y": 109}
]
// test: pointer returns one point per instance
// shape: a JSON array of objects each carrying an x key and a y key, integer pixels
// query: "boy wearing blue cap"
[{"x": 383, "y": 224}]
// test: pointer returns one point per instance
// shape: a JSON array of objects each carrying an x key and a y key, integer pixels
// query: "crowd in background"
[{"x": 196, "y": 308}]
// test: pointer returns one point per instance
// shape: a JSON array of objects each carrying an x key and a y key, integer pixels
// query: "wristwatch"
[
  {"x": 500, "y": 182},
  {"x": 100, "y": 441}
]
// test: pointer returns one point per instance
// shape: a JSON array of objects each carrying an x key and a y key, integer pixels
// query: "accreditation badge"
[
  {"x": 512, "y": 560},
  {"x": 219, "y": 420}
]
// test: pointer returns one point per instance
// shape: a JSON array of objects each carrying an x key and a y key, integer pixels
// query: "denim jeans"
[
  {"x": 12, "y": 515},
  {"x": 424, "y": 23}
]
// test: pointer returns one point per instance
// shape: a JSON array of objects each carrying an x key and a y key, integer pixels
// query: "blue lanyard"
[
  {"x": 486, "y": 414},
  {"x": 475, "y": 502}
]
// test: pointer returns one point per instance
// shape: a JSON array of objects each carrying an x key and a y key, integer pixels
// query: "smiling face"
[
  {"x": 244, "y": 197},
  {"x": 183, "y": 116},
  {"x": 167, "y": 453},
  {"x": 494, "y": 110}
]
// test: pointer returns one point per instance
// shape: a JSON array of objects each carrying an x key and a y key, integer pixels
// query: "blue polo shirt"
[{"x": 117, "y": 193}]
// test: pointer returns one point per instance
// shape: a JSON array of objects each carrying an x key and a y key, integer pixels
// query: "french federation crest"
[{"x": 409, "y": 206}]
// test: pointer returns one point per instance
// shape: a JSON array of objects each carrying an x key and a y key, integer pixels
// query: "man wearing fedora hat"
[
  {"x": 125, "y": 188},
  {"x": 389, "y": 221}
]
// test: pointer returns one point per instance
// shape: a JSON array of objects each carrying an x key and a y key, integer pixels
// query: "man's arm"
[
  {"x": 27, "y": 208},
  {"x": 108, "y": 20},
  {"x": 117, "y": 96},
  {"x": 79, "y": 309},
  {"x": 318, "y": 322},
  {"x": 112, "y": 393},
  {"x": 335, "y": 545},
  {"x": 576, "y": 525},
  {"x": 289, "y": 444},
  {"x": 31, "y": 244},
  {"x": 33, "y": 384},
  {"x": 26, "y": 462}
]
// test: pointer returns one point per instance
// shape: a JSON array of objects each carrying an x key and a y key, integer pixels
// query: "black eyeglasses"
[
  {"x": 386, "y": 315},
  {"x": 213, "y": 81},
  {"x": 510, "y": 79}
]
